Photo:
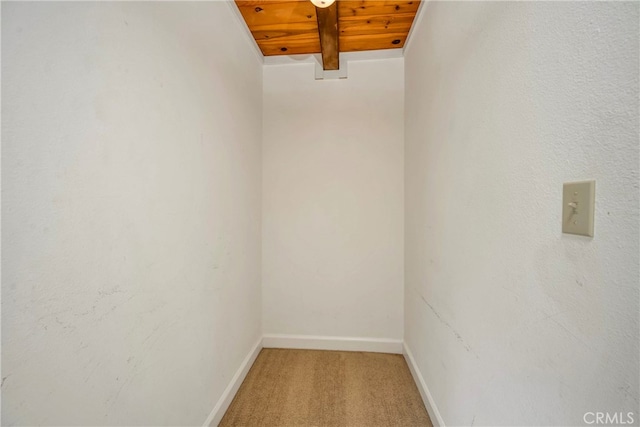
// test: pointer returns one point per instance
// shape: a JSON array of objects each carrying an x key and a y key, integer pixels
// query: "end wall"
[
  {"x": 510, "y": 321},
  {"x": 131, "y": 166},
  {"x": 333, "y": 201}
]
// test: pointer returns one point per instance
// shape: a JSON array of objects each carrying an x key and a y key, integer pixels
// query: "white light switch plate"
[{"x": 578, "y": 203}]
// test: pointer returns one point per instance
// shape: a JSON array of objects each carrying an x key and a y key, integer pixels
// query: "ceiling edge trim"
[
  {"x": 245, "y": 29},
  {"x": 365, "y": 55},
  {"x": 417, "y": 21}
]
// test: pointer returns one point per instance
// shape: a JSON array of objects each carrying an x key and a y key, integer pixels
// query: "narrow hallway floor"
[{"x": 327, "y": 388}]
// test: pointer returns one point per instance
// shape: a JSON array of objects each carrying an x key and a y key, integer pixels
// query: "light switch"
[{"x": 578, "y": 202}]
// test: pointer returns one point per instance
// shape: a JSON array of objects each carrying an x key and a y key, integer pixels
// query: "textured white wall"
[
  {"x": 512, "y": 322},
  {"x": 130, "y": 210},
  {"x": 333, "y": 201}
]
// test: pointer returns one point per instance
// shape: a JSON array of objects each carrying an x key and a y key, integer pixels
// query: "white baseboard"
[
  {"x": 229, "y": 393},
  {"x": 427, "y": 398},
  {"x": 310, "y": 342}
]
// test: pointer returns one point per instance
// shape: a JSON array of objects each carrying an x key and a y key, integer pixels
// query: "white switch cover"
[{"x": 578, "y": 202}]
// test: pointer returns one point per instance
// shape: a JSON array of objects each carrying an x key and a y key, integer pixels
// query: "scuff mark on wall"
[{"x": 448, "y": 325}]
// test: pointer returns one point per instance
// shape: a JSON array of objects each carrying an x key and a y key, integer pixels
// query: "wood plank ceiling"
[{"x": 289, "y": 27}]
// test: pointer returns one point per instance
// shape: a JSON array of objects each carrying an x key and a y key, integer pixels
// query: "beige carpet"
[{"x": 327, "y": 388}]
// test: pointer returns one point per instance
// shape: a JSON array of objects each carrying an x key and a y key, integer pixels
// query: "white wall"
[
  {"x": 333, "y": 201},
  {"x": 512, "y": 322},
  {"x": 131, "y": 203}
]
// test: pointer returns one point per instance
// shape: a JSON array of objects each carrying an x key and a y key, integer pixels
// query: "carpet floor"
[{"x": 327, "y": 388}]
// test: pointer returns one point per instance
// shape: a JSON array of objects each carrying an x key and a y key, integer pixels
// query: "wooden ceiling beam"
[{"x": 328, "y": 30}]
